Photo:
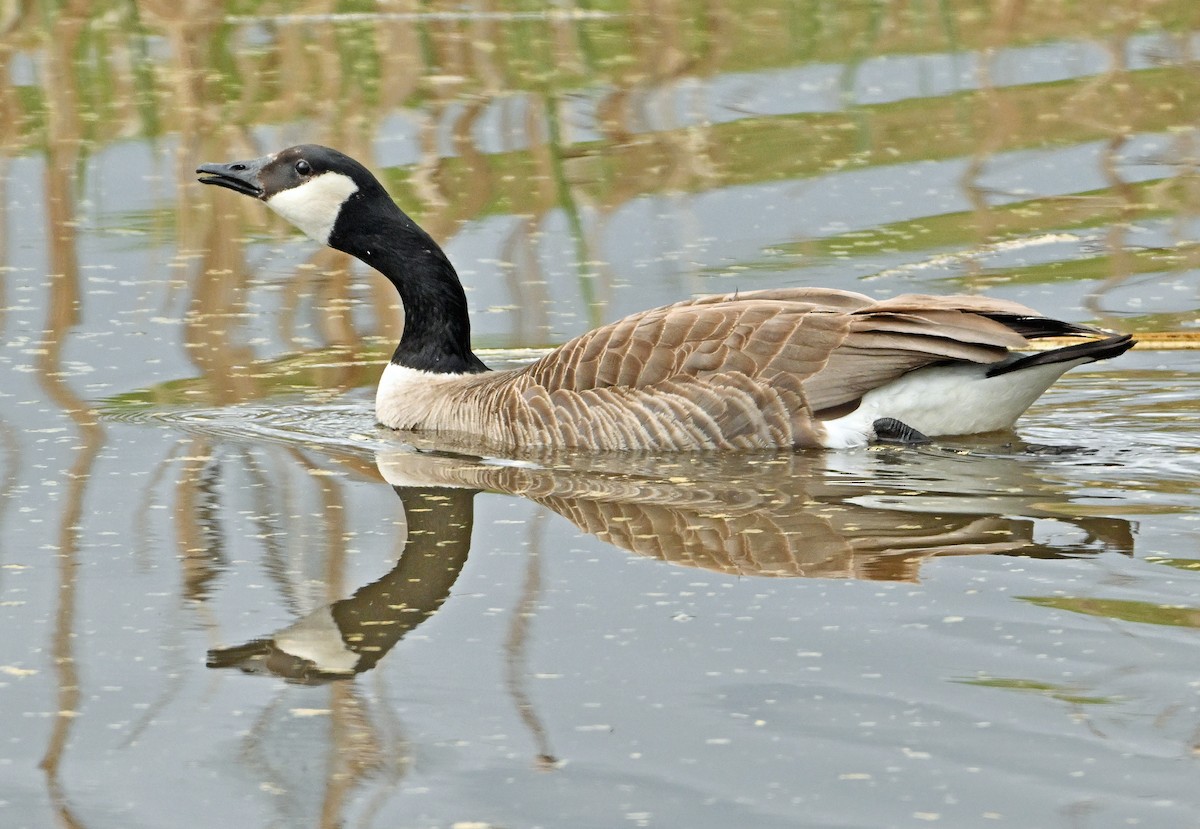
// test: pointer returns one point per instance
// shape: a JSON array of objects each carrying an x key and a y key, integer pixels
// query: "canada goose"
[{"x": 793, "y": 367}]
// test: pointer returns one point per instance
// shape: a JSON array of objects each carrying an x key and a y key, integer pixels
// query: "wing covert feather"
[{"x": 748, "y": 335}]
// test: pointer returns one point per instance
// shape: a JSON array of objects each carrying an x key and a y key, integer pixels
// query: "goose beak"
[{"x": 240, "y": 176}]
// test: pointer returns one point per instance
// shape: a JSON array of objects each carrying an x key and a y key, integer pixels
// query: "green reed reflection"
[
  {"x": 1123, "y": 610},
  {"x": 1064, "y": 693}
]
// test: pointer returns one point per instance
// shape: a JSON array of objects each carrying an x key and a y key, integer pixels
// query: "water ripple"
[{"x": 345, "y": 424}]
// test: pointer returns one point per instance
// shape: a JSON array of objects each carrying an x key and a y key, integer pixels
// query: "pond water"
[{"x": 229, "y": 598}]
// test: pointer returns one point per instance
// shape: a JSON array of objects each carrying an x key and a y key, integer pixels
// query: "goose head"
[
  {"x": 311, "y": 186},
  {"x": 336, "y": 201}
]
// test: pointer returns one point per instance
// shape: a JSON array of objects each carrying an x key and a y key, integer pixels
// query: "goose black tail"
[{"x": 1091, "y": 351}]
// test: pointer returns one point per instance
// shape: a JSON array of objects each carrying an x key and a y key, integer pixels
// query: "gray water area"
[
  {"x": 877, "y": 637},
  {"x": 228, "y": 598}
]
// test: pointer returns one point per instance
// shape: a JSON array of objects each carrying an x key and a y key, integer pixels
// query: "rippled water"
[
  {"x": 229, "y": 598},
  {"x": 770, "y": 640}
]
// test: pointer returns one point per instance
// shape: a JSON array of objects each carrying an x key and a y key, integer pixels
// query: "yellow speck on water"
[
  {"x": 13, "y": 670},
  {"x": 310, "y": 712}
]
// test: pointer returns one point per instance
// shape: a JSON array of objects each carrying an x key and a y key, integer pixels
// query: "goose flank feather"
[{"x": 785, "y": 367}]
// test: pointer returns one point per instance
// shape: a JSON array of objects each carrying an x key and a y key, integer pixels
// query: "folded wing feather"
[{"x": 803, "y": 333}]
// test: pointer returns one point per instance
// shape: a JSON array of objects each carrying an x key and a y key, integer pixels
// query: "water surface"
[{"x": 229, "y": 598}]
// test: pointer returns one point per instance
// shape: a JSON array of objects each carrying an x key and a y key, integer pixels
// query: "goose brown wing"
[
  {"x": 838, "y": 344},
  {"x": 757, "y": 334}
]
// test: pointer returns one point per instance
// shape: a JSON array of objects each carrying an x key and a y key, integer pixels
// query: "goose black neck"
[{"x": 437, "y": 328}]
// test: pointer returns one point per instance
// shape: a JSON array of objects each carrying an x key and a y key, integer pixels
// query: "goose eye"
[{"x": 303, "y": 167}]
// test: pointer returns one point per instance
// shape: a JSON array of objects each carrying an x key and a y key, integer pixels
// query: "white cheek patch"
[{"x": 314, "y": 205}]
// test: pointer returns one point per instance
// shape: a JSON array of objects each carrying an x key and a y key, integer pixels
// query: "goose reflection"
[
  {"x": 868, "y": 515},
  {"x": 875, "y": 515}
]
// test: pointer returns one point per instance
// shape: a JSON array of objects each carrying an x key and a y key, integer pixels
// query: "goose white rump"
[
  {"x": 777, "y": 368},
  {"x": 950, "y": 399}
]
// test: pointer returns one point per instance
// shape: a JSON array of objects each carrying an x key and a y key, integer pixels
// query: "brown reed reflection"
[
  {"x": 516, "y": 649},
  {"x": 1111, "y": 107},
  {"x": 63, "y": 314},
  {"x": 358, "y": 744}
]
